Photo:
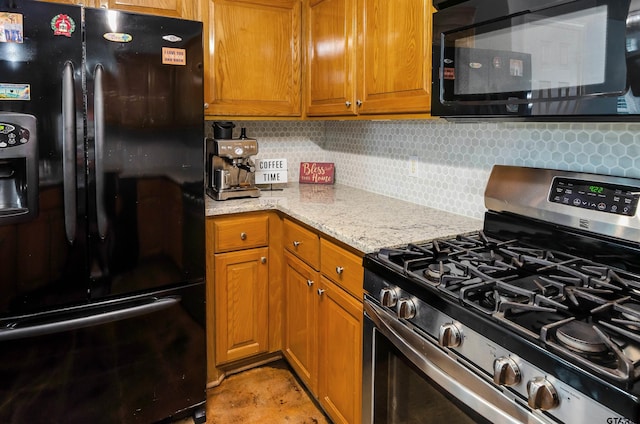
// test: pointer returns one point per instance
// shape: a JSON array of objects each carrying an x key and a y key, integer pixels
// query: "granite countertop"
[{"x": 361, "y": 219}]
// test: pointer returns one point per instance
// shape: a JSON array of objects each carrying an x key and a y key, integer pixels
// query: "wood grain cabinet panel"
[
  {"x": 241, "y": 304},
  {"x": 340, "y": 354},
  {"x": 342, "y": 267},
  {"x": 240, "y": 233},
  {"x": 368, "y": 57},
  {"x": 185, "y": 9},
  {"x": 302, "y": 242},
  {"x": 331, "y": 57},
  {"x": 301, "y": 309},
  {"x": 253, "y": 65},
  {"x": 323, "y": 320}
]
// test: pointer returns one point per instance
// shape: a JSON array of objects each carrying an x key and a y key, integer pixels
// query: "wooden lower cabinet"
[
  {"x": 244, "y": 291},
  {"x": 323, "y": 321},
  {"x": 301, "y": 310},
  {"x": 340, "y": 353},
  {"x": 241, "y": 304}
]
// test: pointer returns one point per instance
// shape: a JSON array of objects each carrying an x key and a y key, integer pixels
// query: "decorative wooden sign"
[{"x": 317, "y": 173}]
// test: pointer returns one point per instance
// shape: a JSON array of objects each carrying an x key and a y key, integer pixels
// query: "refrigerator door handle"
[
  {"x": 95, "y": 316},
  {"x": 69, "y": 151},
  {"x": 99, "y": 122}
]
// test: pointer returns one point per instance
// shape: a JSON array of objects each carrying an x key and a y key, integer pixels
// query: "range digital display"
[{"x": 609, "y": 198}]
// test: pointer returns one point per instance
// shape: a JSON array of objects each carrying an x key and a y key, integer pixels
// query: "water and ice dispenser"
[{"x": 18, "y": 168}]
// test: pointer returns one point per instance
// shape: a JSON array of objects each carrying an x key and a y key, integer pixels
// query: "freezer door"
[
  {"x": 145, "y": 138},
  {"x": 44, "y": 255},
  {"x": 136, "y": 360}
]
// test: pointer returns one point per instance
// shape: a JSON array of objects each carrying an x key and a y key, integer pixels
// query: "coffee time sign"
[{"x": 271, "y": 171}]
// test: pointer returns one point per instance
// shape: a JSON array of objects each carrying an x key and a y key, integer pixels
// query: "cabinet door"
[
  {"x": 88, "y": 3},
  {"x": 331, "y": 31},
  {"x": 241, "y": 304},
  {"x": 340, "y": 363},
  {"x": 394, "y": 64},
  {"x": 185, "y": 9},
  {"x": 254, "y": 68},
  {"x": 300, "y": 338}
]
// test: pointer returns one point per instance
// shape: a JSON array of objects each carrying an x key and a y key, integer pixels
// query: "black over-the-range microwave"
[{"x": 537, "y": 59}]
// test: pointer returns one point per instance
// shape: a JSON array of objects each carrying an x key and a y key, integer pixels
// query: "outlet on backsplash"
[{"x": 413, "y": 166}]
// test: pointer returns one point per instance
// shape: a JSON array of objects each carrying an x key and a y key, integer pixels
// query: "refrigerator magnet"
[
  {"x": 118, "y": 37},
  {"x": 63, "y": 25},
  {"x": 11, "y": 30},
  {"x": 173, "y": 56},
  {"x": 10, "y": 91}
]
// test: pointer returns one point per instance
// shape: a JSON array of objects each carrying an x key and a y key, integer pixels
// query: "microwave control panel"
[{"x": 619, "y": 200}]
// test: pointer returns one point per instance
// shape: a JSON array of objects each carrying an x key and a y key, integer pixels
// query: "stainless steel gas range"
[{"x": 535, "y": 318}]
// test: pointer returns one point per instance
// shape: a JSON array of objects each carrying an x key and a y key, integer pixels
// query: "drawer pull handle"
[
  {"x": 263, "y": 260},
  {"x": 339, "y": 270},
  {"x": 309, "y": 283},
  {"x": 296, "y": 243},
  {"x": 320, "y": 291},
  {"x": 243, "y": 236}
]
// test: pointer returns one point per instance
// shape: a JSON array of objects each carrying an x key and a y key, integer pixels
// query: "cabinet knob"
[
  {"x": 339, "y": 270},
  {"x": 347, "y": 104},
  {"x": 206, "y": 105},
  {"x": 309, "y": 283},
  {"x": 243, "y": 236},
  {"x": 358, "y": 103},
  {"x": 320, "y": 291},
  {"x": 263, "y": 260},
  {"x": 296, "y": 243}
]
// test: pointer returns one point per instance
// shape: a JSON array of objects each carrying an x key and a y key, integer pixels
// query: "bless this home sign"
[{"x": 317, "y": 172}]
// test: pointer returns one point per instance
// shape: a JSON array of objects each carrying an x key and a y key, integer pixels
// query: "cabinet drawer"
[
  {"x": 240, "y": 233},
  {"x": 303, "y": 243},
  {"x": 342, "y": 266}
]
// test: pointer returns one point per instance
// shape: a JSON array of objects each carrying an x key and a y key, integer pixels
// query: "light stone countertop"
[{"x": 361, "y": 219}]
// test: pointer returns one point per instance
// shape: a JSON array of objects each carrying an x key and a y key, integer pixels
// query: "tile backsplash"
[{"x": 441, "y": 164}]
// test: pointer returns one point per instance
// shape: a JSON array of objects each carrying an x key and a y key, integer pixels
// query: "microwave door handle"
[
  {"x": 99, "y": 122},
  {"x": 69, "y": 151}
]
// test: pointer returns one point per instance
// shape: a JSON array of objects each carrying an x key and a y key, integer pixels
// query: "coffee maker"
[{"x": 230, "y": 169}]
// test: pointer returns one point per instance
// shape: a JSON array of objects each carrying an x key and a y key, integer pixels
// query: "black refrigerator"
[{"x": 102, "y": 296}]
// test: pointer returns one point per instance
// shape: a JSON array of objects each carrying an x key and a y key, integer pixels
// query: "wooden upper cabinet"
[
  {"x": 331, "y": 57},
  {"x": 368, "y": 57},
  {"x": 185, "y": 9},
  {"x": 394, "y": 63},
  {"x": 254, "y": 61},
  {"x": 88, "y": 3}
]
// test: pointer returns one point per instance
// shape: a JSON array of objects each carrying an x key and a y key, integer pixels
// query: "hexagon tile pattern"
[{"x": 442, "y": 164}]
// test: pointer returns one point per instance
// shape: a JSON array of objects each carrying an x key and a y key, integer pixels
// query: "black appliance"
[
  {"x": 563, "y": 60},
  {"x": 102, "y": 311},
  {"x": 535, "y": 318}
]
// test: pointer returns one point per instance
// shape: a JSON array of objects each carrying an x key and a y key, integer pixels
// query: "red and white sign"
[{"x": 317, "y": 173}]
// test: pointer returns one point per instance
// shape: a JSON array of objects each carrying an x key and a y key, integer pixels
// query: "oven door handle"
[{"x": 466, "y": 386}]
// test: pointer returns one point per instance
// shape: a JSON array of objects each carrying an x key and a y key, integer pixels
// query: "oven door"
[{"x": 408, "y": 379}]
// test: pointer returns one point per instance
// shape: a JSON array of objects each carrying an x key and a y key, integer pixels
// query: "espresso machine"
[{"x": 230, "y": 169}]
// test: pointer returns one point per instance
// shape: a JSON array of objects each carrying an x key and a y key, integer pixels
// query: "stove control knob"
[
  {"x": 406, "y": 309},
  {"x": 450, "y": 335},
  {"x": 506, "y": 372},
  {"x": 542, "y": 394},
  {"x": 388, "y": 297}
]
